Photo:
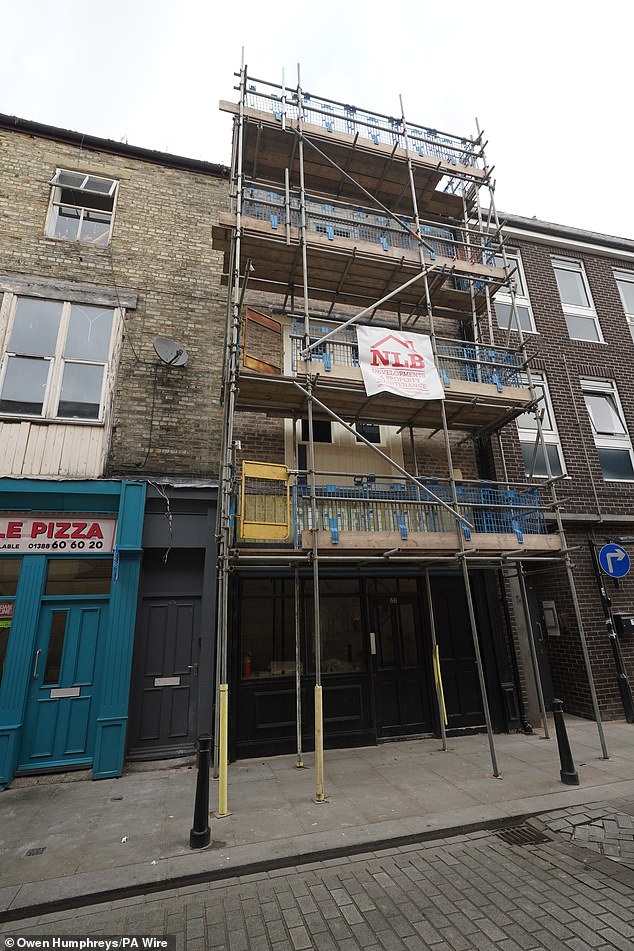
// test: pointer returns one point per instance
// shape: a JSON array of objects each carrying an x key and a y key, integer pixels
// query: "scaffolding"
[{"x": 341, "y": 217}]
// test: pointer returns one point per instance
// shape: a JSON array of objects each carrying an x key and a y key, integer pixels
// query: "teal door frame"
[{"x": 127, "y": 500}]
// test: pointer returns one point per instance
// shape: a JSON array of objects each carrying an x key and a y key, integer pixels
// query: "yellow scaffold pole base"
[
  {"x": 223, "y": 752},
  {"x": 438, "y": 679},
  {"x": 319, "y": 746}
]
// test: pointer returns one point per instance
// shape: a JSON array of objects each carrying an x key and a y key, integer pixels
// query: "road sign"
[{"x": 614, "y": 561}]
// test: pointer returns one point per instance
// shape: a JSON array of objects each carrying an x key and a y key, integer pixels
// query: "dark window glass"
[
  {"x": 79, "y": 576},
  {"x": 371, "y": 431},
  {"x": 322, "y": 430},
  {"x": 5, "y": 629},
  {"x": 616, "y": 464},
  {"x": 342, "y": 649},
  {"x": 539, "y": 468},
  {"x": 55, "y": 648},
  {"x": 268, "y": 629},
  {"x": 9, "y": 573}
]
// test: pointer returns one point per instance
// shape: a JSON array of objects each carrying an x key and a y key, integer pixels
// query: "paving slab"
[{"x": 95, "y": 840}]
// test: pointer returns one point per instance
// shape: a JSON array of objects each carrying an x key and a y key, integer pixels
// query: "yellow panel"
[
  {"x": 265, "y": 470},
  {"x": 264, "y": 531}
]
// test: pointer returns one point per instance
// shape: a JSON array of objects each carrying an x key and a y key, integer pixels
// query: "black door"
[
  {"x": 401, "y": 679},
  {"x": 463, "y": 699},
  {"x": 164, "y": 692}
]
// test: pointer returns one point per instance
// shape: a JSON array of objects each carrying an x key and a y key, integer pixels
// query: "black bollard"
[
  {"x": 568, "y": 773},
  {"x": 200, "y": 834}
]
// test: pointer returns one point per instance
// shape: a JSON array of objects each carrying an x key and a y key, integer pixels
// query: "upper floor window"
[
  {"x": 503, "y": 302},
  {"x": 82, "y": 208},
  {"x": 625, "y": 284},
  {"x": 611, "y": 437},
  {"x": 55, "y": 359},
  {"x": 576, "y": 300},
  {"x": 533, "y": 452}
]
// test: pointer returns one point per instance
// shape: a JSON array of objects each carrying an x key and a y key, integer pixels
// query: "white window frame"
[
  {"x": 550, "y": 432},
  {"x": 626, "y": 277},
  {"x": 521, "y": 293},
  {"x": 603, "y": 440},
  {"x": 576, "y": 310},
  {"x": 57, "y": 362},
  {"x": 56, "y": 202}
]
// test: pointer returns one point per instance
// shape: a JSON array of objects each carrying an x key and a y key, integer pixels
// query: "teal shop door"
[{"x": 60, "y": 721}]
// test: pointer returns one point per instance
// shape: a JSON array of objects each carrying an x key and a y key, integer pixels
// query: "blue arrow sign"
[{"x": 614, "y": 561}]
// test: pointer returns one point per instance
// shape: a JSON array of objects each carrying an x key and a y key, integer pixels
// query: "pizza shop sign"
[{"x": 45, "y": 533}]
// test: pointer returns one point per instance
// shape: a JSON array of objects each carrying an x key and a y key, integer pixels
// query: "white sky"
[{"x": 549, "y": 80}]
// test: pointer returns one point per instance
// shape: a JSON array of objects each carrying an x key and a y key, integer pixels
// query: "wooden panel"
[
  {"x": 351, "y": 272},
  {"x": 469, "y": 406},
  {"x": 379, "y": 169},
  {"x": 60, "y": 290},
  {"x": 51, "y": 449},
  {"x": 434, "y": 542}
]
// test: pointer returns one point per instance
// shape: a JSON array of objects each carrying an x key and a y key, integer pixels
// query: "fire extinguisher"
[{"x": 246, "y": 665}]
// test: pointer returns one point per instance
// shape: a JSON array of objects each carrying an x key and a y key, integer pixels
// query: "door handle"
[
  {"x": 35, "y": 665},
  {"x": 193, "y": 669}
]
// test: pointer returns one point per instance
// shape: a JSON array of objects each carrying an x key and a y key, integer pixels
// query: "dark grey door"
[
  {"x": 461, "y": 687},
  {"x": 163, "y": 710},
  {"x": 400, "y": 675}
]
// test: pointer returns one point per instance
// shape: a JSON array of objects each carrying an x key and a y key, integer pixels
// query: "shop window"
[
  {"x": 9, "y": 573},
  {"x": 342, "y": 644},
  {"x": 73, "y": 576},
  {"x": 81, "y": 208},
  {"x": 56, "y": 359},
  {"x": 503, "y": 302},
  {"x": 268, "y": 628},
  {"x": 611, "y": 437},
  {"x": 576, "y": 300}
]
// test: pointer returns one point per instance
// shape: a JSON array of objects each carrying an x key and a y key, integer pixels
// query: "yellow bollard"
[
  {"x": 319, "y": 746},
  {"x": 223, "y": 757}
]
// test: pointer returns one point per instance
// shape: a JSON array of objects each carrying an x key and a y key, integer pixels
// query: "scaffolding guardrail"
[
  {"x": 379, "y": 129},
  {"x": 357, "y": 223}
]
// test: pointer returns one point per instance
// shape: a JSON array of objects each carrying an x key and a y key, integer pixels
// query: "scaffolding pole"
[{"x": 553, "y": 489}]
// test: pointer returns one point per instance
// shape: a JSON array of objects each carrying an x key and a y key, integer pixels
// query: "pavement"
[{"x": 67, "y": 842}]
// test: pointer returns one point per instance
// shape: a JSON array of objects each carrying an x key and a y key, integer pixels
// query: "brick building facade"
[{"x": 105, "y": 248}]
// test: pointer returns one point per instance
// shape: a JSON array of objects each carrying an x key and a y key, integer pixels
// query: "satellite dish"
[{"x": 169, "y": 352}]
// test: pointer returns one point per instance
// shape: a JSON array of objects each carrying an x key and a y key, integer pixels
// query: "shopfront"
[
  {"x": 69, "y": 567},
  {"x": 376, "y": 659}
]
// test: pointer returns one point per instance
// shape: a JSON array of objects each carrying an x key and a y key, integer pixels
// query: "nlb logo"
[{"x": 404, "y": 358}]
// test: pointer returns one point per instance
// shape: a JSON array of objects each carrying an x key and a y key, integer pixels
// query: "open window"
[
  {"x": 611, "y": 437},
  {"x": 81, "y": 208}
]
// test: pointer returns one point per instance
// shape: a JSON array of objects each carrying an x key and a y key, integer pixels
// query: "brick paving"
[{"x": 473, "y": 891}]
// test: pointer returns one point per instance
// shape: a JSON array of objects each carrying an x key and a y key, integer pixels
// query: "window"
[
  {"x": 533, "y": 451},
  {"x": 610, "y": 432},
  {"x": 322, "y": 430},
  {"x": 502, "y": 302},
  {"x": 370, "y": 431},
  {"x": 56, "y": 359},
  {"x": 625, "y": 284},
  {"x": 82, "y": 208},
  {"x": 581, "y": 318}
]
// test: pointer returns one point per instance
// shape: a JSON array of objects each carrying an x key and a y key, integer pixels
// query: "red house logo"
[{"x": 390, "y": 351}]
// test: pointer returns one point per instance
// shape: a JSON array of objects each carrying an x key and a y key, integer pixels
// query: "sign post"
[{"x": 613, "y": 561}]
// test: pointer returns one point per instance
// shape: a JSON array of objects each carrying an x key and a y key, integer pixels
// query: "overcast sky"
[{"x": 549, "y": 80}]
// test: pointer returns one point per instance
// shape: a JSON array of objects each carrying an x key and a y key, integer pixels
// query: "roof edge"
[
  {"x": 551, "y": 229},
  {"x": 67, "y": 136}
]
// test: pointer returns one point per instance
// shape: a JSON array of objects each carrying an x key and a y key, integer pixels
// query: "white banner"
[
  {"x": 45, "y": 533},
  {"x": 398, "y": 362}
]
